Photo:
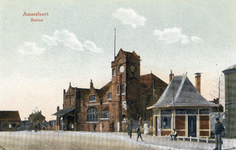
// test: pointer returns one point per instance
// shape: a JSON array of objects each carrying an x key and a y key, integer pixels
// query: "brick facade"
[{"x": 125, "y": 97}]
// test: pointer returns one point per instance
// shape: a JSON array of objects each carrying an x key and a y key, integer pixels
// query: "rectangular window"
[
  {"x": 166, "y": 122},
  {"x": 192, "y": 111},
  {"x": 166, "y": 112},
  {"x": 180, "y": 111},
  {"x": 118, "y": 90},
  {"x": 92, "y": 98},
  {"x": 113, "y": 72},
  {"x": 104, "y": 114},
  {"x": 204, "y": 111},
  {"x": 109, "y": 96},
  {"x": 123, "y": 90}
]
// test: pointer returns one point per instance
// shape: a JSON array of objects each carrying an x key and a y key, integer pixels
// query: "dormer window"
[{"x": 92, "y": 98}]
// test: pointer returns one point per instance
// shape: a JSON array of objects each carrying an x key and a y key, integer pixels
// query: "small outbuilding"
[
  {"x": 9, "y": 120},
  {"x": 183, "y": 108}
]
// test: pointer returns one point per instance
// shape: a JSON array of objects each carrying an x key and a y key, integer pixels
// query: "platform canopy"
[{"x": 63, "y": 112}]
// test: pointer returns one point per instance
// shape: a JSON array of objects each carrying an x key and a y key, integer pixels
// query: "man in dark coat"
[
  {"x": 94, "y": 127},
  {"x": 129, "y": 129},
  {"x": 219, "y": 128},
  {"x": 139, "y": 133}
]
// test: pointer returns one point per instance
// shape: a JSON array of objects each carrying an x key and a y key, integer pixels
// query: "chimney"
[
  {"x": 91, "y": 84},
  {"x": 198, "y": 81},
  {"x": 58, "y": 119},
  {"x": 171, "y": 76}
]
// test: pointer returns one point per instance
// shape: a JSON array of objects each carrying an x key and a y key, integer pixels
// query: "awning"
[{"x": 63, "y": 112}]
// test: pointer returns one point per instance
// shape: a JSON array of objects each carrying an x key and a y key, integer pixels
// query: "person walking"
[
  {"x": 139, "y": 133},
  {"x": 129, "y": 129},
  {"x": 219, "y": 128},
  {"x": 145, "y": 127},
  {"x": 94, "y": 127}
]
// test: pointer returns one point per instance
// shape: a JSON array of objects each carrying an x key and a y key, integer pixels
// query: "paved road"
[
  {"x": 61, "y": 140},
  {"x": 58, "y": 140}
]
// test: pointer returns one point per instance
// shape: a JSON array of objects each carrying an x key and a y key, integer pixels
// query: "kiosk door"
[
  {"x": 192, "y": 121},
  {"x": 156, "y": 126}
]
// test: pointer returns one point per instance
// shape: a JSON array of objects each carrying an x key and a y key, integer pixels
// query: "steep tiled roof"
[
  {"x": 231, "y": 69},
  {"x": 63, "y": 112},
  {"x": 84, "y": 92},
  {"x": 104, "y": 89},
  {"x": 9, "y": 116},
  {"x": 180, "y": 93},
  {"x": 148, "y": 80}
]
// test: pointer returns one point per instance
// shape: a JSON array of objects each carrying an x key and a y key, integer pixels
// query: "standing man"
[
  {"x": 39, "y": 126},
  {"x": 145, "y": 127},
  {"x": 139, "y": 133},
  {"x": 72, "y": 127},
  {"x": 219, "y": 128},
  {"x": 129, "y": 129}
]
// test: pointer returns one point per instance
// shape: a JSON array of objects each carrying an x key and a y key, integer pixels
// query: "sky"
[{"x": 74, "y": 43}]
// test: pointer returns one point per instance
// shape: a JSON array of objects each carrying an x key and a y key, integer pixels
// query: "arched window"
[{"x": 92, "y": 115}]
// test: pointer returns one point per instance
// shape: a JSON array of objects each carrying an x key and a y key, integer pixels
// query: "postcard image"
[{"x": 117, "y": 74}]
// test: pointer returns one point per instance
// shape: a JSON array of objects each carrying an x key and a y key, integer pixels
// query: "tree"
[{"x": 218, "y": 89}]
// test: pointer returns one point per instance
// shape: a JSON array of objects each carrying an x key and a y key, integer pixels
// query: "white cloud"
[
  {"x": 129, "y": 16},
  {"x": 196, "y": 39},
  {"x": 68, "y": 39},
  {"x": 171, "y": 36},
  {"x": 30, "y": 48},
  {"x": 92, "y": 47},
  {"x": 50, "y": 40}
]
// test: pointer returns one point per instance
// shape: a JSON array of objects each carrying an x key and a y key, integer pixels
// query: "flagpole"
[{"x": 114, "y": 43}]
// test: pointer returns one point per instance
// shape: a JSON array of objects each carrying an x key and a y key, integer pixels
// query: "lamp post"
[{"x": 25, "y": 124}]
